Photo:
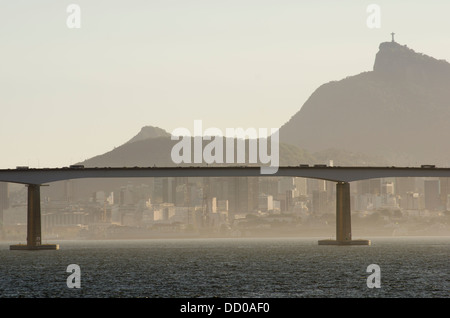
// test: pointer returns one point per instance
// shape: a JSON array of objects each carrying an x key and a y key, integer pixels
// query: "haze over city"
[
  {"x": 98, "y": 199},
  {"x": 71, "y": 94}
]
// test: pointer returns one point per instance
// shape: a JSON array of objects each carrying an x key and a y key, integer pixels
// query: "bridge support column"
[
  {"x": 343, "y": 219},
  {"x": 343, "y": 212},
  {"x": 34, "y": 236}
]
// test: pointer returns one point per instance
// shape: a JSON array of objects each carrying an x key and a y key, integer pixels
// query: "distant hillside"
[
  {"x": 399, "y": 111},
  {"x": 156, "y": 151},
  {"x": 144, "y": 153}
]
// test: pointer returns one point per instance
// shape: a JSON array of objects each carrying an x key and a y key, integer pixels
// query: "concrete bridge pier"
[
  {"x": 343, "y": 219},
  {"x": 34, "y": 235}
]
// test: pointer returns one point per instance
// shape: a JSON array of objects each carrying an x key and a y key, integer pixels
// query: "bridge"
[{"x": 35, "y": 178}]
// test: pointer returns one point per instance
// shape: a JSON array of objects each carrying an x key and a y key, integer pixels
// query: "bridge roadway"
[
  {"x": 337, "y": 174},
  {"x": 34, "y": 178}
]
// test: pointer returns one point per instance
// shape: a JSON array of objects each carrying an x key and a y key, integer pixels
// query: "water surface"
[{"x": 239, "y": 267}]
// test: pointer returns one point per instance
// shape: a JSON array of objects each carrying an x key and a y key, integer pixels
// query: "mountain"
[
  {"x": 149, "y": 132},
  {"x": 400, "y": 111},
  {"x": 144, "y": 153},
  {"x": 156, "y": 151},
  {"x": 148, "y": 149}
]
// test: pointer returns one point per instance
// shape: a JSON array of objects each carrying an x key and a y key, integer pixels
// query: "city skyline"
[
  {"x": 82, "y": 92},
  {"x": 135, "y": 145},
  {"x": 232, "y": 206}
]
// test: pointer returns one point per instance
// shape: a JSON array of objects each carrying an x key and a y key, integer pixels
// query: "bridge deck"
[{"x": 338, "y": 174}]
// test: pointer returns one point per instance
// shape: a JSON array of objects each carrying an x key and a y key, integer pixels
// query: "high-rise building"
[
  {"x": 218, "y": 187},
  {"x": 387, "y": 188},
  {"x": 68, "y": 190},
  {"x": 181, "y": 195},
  {"x": 242, "y": 194},
  {"x": 4, "y": 196},
  {"x": 176, "y": 190},
  {"x": 265, "y": 202},
  {"x": 315, "y": 185},
  {"x": 414, "y": 201},
  {"x": 168, "y": 190},
  {"x": 4, "y": 201},
  {"x": 126, "y": 195},
  {"x": 269, "y": 185},
  {"x": 371, "y": 186},
  {"x": 158, "y": 189},
  {"x": 222, "y": 205},
  {"x": 300, "y": 186},
  {"x": 444, "y": 185},
  {"x": 319, "y": 202},
  {"x": 286, "y": 184},
  {"x": 330, "y": 187},
  {"x": 405, "y": 185},
  {"x": 431, "y": 193},
  {"x": 289, "y": 200}
]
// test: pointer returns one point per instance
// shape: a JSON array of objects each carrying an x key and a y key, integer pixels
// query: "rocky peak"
[
  {"x": 148, "y": 132},
  {"x": 398, "y": 62}
]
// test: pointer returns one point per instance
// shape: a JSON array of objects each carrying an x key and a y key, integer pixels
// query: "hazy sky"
[{"x": 69, "y": 94}]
